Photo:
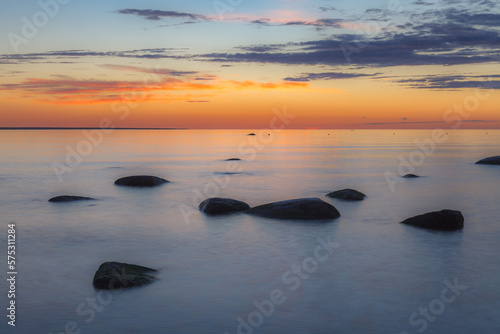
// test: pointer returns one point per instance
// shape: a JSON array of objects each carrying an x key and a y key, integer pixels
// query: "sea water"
[{"x": 361, "y": 273}]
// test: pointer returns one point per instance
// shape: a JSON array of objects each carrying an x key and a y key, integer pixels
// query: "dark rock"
[
  {"x": 446, "y": 220},
  {"x": 489, "y": 161},
  {"x": 233, "y": 159},
  {"x": 66, "y": 198},
  {"x": 116, "y": 275},
  {"x": 302, "y": 208},
  {"x": 220, "y": 206},
  {"x": 140, "y": 181},
  {"x": 347, "y": 195},
  {"x": 410, "y": 176},
  {"x": 251, "y": 134}
]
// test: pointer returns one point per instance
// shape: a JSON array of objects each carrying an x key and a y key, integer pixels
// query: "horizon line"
[{"x": 158, "y": 128}]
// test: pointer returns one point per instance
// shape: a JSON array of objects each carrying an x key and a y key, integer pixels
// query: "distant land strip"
[{"x": 83, "y": 128}]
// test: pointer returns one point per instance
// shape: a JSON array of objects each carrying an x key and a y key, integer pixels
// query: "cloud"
[
  {"x": 60, "y": 56},
  {"x": 72, "y": 91},
  {"x": 422, "y": 3},
  {"x": 434, "y": 44},
  {"x": 453, "y": 82},
  {"x": 156, "y": 15},
  {"x": 152, "y": 70},
  {"x": 327, "y": 76}
]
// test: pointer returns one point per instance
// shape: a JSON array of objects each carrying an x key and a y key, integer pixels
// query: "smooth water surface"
[{"x": 217, "y": 272}]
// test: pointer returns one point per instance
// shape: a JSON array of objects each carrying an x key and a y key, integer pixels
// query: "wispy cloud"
[
  {"x": 155, "y": 15},
  {"x": 453, "y": 82},
  {"x": 73, "y": 91},
  {"x": 280, "y": 18},
  {"x": 305, "y": 77}
]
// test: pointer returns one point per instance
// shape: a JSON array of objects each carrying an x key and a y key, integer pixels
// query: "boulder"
[
  {"x": 445, "y": 220},
  {"x": 66, "y": 198},
  {"x": 347, "y": 195},
  {"x": 116, "y": 275},
  {"x": 489, "y": 161},
  {"x": 140, "y": 181},
  {"x": 220, "y": 206},
  {"x": 410, "y": 176},
  {"x": 302, "y": 208}
]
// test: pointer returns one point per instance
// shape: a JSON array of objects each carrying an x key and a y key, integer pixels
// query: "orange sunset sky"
[{"x": 220, "y": 64}]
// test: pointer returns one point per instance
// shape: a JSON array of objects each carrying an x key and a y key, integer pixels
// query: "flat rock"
[
  {"x": 140, "y": 181},
  {"x": 347, "y": 195},
  {"x": 410, "y": 176},
  {"x": 302, "y": 208},
  {"x": 220, "y": 206},
  {"x": 489, "y": 161},
  {"x": 445, "y": 220},
  {"x": 66, "y": 198},
  {"x": 116, "y": 275}
]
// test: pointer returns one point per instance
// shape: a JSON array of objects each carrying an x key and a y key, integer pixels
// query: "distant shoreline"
[
  {"x": 84, "y": 128},
  {"x": 98, "y": 128}
]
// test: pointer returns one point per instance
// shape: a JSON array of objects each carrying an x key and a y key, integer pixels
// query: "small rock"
[
  {"x": 445, "y": 220},
  {"x": 410, "y": 176},
  {"x": 140, "y": 181},
  {"x": 347, "y": 195},
  {"x": 220, "y": 206},
  {"x": 302, "y": 208},
  {"x": 233, "y": 159},
  {"x": 116, "y": 275},
  {"x": 66, "y": 198},
  {"x": 251, "y": 134},
  {"x": 489, "y": 161}
]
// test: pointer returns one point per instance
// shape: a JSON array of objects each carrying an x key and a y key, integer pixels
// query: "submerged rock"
[
  {"x": 445, "y": 220},
  {"x": 347, "y": 195},
  {"x": 220, "y": 206},
  {"x": 66, "y": 198},
  {"x": 140, "y": 181},
  {"x": 116, "y": 275},
  {"x": 489, "y": 161},
  {"x": 410, "y": 176},
  {"x": 302, "y": 208}
]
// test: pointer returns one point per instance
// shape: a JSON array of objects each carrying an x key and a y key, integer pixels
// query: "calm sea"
[{"x": 243, "y": 274}]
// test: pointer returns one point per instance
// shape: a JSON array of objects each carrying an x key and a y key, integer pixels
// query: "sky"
[{"x": 223, "y": 64}]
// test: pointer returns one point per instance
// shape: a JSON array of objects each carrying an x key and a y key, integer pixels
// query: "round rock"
[
  {"x": 489, "y": 161},
  {"x": 221, "y": 206},
  {"x": 444, "y": 220},
  {"x": 302, "y": 209},
  {"x": 66, "y": 198},
  {"x": 116, "y": 275},
  {"x": 140, "y": 181},
  {"x": 347, "y": 195}
]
